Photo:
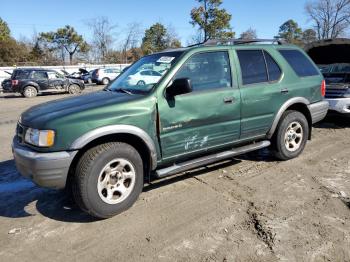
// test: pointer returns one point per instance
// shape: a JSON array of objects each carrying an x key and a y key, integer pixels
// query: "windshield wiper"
[
  {"x": 123, "y": 90},
  {"x": 118, "y": 90}
]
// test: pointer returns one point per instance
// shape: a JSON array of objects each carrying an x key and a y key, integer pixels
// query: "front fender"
[{"x": 117, "y": 129}]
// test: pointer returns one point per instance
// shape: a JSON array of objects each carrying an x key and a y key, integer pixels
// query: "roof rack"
[{"x": 232, "y": 41}]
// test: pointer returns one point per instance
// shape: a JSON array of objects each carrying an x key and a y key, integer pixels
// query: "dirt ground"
[{"x": 251, "y": 208}]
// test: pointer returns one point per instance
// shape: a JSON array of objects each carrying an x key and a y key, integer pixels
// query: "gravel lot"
[{"x": 248, "y": 208}]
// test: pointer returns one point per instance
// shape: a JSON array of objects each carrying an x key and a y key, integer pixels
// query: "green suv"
[{"x": 206, "y": 103}]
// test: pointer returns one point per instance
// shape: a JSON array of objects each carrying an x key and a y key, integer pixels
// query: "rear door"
[
  {"x": 261, "y": 91},
  {"x": 206, "y": 118},
  {"x": 41, "y": 78}
]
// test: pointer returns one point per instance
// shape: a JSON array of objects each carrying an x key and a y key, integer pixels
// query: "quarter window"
[
  {"x": 300, "y": 63},
  {"x": 206, "y": 71}
]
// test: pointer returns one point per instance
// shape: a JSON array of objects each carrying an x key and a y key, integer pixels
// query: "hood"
[
  {"x": 329, "y": 51},
  {"x": 83, "y": 71},
  {"x": 39, "y": 115}
]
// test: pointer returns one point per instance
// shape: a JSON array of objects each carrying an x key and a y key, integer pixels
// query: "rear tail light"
[
  {"x": 323, "y": 88},
  {"x": 14, "y": 82}
]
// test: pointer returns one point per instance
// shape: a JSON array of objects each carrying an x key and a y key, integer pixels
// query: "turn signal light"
[{"x": 323, "y": 88}]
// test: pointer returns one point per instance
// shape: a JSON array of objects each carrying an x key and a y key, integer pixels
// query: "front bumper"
[
  {"x": 318, "y": 111},
  {"x": 45, "y": 169},
  {"x": 341, "y": 105}
]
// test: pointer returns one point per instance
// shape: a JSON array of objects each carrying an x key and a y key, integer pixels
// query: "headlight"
[{"x": 41, "y": 138}]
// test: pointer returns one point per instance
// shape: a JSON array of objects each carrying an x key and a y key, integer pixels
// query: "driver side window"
[{"x": 206, "y": 71}]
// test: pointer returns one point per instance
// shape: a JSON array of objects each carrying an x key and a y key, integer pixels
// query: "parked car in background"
[
  {"x": 6, "y": 83},
  {"x": 104, "y": 75},
  {"x": 337, "y": 78},
  {"x": 87, "y": 77},
  {"x": 83, "y": 75},
  {"x": 215, "y": 101},
  {"x": 32, "y": 81},
  {"x": 144, "y": 77}
]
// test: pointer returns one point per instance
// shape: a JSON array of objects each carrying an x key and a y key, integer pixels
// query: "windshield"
[{"x": 141, "y": 76}]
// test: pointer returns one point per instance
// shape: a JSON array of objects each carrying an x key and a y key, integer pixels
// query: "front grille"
[
  {"x": 20, "y": 132},
  {"x": 336, "y": 93}
]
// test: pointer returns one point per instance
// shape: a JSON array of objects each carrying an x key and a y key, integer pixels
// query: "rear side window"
[
  {"x": 299, "y": 62},
  {"x": 39, "y": 75},
  {"x": 253, "y": 66},
  {"x": 19, "y": 74}
]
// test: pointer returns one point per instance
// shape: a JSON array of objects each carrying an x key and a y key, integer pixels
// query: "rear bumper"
[
  {"x": 341, "y": 105},
  {"x": 45, "y": 169},
  {"x": 318, "y": 111}
]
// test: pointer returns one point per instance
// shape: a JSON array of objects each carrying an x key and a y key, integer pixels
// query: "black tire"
[
  {"x": 283, "y": 144},
  {"x": 89, "y": 170},
  {"x": 30, "y": 92},
  {"x": 141, "y": 83},
  {"x": 105, "y": 81},
  {"x": 74, "y": 89}
]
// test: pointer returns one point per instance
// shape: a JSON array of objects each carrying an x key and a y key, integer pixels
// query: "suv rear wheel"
[
  {"x": 291, "y": 136},
  {"x": 108, "y": 179},
  {"x": 30, "y": 91},
  {"x": 105, "y": 81}
]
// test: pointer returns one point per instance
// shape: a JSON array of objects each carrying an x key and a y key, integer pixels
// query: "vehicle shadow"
[
  {"x": 157, "y": 183},
  {"x": 334, "y": 121},
  {"x": 20, "y": 197}
]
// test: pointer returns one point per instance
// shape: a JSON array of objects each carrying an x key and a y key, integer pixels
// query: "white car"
[
  {"x": 144, "y": 77},
  {"x": 104, "y": 75}
]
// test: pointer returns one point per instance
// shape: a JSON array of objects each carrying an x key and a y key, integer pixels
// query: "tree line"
[{"x": 329, "y": 19}]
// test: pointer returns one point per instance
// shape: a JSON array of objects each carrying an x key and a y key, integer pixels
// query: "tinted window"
[
  {"x": 39, "y": 75},
  {"x": 145, "y": 73},
  {"x": 274, "y": 71},
  {"x": 19, "y": 74},
  {"x": 154, "y": 73},
  {"x": 299, "y": 62},
  {"x": 253, "y": 66},
  {"x": 207, "y": 71}
]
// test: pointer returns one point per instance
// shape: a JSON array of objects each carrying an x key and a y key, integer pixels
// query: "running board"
[{"x": 202, "y": 161}]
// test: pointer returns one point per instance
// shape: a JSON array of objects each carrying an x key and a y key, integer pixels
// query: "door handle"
[
  {"x": 284, "y": 91},
  {"x": 229, "y": 100}
]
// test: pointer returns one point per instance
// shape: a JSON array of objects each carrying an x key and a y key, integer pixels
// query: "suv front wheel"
[
  {"x": 108, "y": 179},
  {"x": 291, "y": 136}
]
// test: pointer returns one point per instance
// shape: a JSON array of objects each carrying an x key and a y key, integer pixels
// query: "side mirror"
[{"x": 178, "y": 87}]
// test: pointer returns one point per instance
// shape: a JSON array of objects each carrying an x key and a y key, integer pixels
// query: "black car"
[{"x": 32, "y": 81}]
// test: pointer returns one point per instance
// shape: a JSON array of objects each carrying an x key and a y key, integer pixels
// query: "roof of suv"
[
  {"x": 35, "y": 69},
  {"x": 212, "y": 43}
]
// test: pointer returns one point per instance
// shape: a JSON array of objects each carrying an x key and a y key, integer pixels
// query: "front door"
[
  {"x": 206, "y": 118},
  {"x": 57, "y": 81}
]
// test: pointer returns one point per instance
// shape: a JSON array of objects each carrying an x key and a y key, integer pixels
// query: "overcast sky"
[{"x": 25, "y": 17}]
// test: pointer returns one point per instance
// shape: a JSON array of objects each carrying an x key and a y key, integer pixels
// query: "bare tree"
[
  {"x": 132, "y": 39},
  {"x": 102, "y": 31},
  {"x": 331, "y": 18},
  {"x": 249, "y": 34}
]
